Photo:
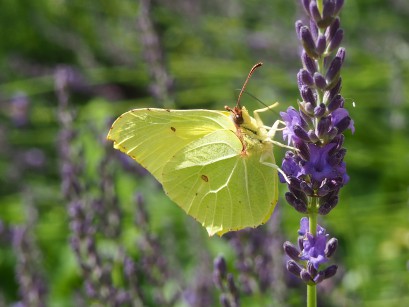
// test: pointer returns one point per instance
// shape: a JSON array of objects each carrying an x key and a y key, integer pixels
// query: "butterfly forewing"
[{"x": 153, "y": 136}]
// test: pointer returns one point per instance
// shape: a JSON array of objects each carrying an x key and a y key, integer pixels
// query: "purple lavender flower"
[
  {"x": 292, "y": 119},
  {"x": 314, "y": 246},
  {"x": 315, "y": 250},
  {"x": 316, "y": 168}
]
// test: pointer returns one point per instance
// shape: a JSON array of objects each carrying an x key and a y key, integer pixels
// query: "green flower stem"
[
  {"x": 312, "y": 295},
  {"x": 312, "y": 289}
]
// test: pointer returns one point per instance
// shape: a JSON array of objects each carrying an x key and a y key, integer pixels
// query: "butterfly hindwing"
[{"x": 219, "y": 186}]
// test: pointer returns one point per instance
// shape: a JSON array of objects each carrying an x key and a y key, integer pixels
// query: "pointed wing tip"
[{"x": 212, "y": 230}]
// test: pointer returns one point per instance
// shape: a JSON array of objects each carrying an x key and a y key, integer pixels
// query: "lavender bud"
[
  {"x": 314, "y": 12},
  {"x": 323, "y": 190},
  {"x": 308, "y": 63},
  {"x": 220, "y": 266},
  {"x": 232, "y": 286},
  {"x": 334, "y": 184},
  {"x": 337, "y": 158},
  {"x": 294, "y": 183},
  {"x": 289, "y": 154},
  {"x": 327, "y": 14},
  {"x": 336, "y": 40},
  {"x": 298, "y": 204},
  {"x": 308, "y": 108},
  {"x": 308, "y": 41},
  {"x": 341, "y": 54},
  {"x": 343, "y": 124},
  {"x": 306, "y": 5},
  {"x": 304, "y": 78},
  {"x": 321, "y": 44},
  {"x": 327, "y": 205},
  {"x": 313, "y": 29},
  {"x": 293, "y": 268},
  {"x": 319, "y": 111},
  {"x": 331, "y": 247},
  {"x": 313, "y": 137},
  {"x": 291, "y": 250},
  {"x": 290, "y": 197},
  {"x": 334, "y": 70},
  {"x": 298, "y": 25},
  {"x": 330, "y": 271},
  {"x": 319, "y": 277},
  {"x": 332, "y": 29},
  {"x": 299, "y": 195},
  {"x": 328, "y": 9},
  {"x": 339, "y": 140},
  {"x": 333, "y": 132},
  {"x": 224, "y": 300},
  {"x": 334, "y": 89},
  {"x": 338, "y": 6},
  {"x": 335, "y": 103},
  {"x": 306, "y": 188},
  {"x": 319, "y": 80},
  {"x": 308, "y": 95},
  {"x": 301, "y": 133},
  {"x": 311, "y": 269},
  {"x": 305, "y": 276},
  {"x": 323, "y": 126},
  {"x": 304, "y": 151}
]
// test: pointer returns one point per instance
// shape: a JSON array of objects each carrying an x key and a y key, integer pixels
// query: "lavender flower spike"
[
  {"x": 315, "y": 169},
  {"x": 316, "y": 128},
  {"x": 315, "y": 249}
]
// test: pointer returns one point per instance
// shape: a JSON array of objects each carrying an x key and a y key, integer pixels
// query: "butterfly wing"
[
  {"x": 153, "y": 136},
  {"x": 222, "y": 189},
  {"x": 198, "y": 158}
]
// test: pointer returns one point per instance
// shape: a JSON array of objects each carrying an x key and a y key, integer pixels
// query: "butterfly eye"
[{"x": 238, "y": 119}]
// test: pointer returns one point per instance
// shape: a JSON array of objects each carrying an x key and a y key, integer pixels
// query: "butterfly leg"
[
  {"x": 274, "y": 166},
  {"x": 271, "y": 134},
  {"x": 257, "y": 116}
]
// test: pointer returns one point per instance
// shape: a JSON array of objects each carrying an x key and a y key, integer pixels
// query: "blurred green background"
[{"x": 206, "y": 49}]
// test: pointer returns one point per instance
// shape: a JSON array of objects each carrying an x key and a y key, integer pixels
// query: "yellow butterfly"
[{"x": 218, "y": 166}]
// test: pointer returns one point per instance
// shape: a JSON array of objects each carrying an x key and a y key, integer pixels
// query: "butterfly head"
[
  {"x": 239, "y": 113},
  {"x": 236, "y": 114}
]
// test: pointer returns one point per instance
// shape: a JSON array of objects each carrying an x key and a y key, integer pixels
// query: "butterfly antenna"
[{"x": 247, "y": 80}]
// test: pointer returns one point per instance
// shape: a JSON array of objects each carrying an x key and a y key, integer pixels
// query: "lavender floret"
[{"x": 315, "y": 250}]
